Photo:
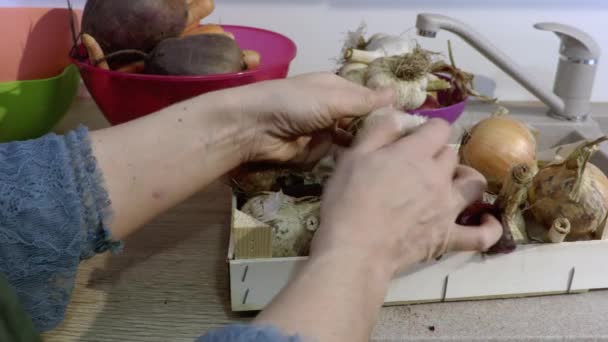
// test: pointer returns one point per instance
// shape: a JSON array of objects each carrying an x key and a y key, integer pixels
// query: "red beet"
[
  {"x": 472, "y": 217},
  {"x": 133, "y": 24},
  {"x": 203, "y": 54}
]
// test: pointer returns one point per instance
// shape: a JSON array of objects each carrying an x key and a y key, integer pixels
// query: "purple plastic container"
[{"x": 449, "y": 113}]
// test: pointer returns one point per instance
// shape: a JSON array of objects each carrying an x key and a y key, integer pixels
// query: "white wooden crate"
[{"x": 531, "y": 270}]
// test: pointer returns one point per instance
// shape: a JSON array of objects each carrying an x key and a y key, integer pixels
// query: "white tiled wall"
[{"x": 317, "y": 26}]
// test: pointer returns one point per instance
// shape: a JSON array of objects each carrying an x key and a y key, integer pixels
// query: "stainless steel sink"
[{"x": 552, "y": 131}]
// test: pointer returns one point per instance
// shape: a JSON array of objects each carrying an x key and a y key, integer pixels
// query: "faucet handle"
[{"x": 576, "y": 45}]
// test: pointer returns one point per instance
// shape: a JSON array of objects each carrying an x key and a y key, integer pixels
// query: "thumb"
[
  {"x": 383, "y": 127},
  {"x": 363, "y": 101}
]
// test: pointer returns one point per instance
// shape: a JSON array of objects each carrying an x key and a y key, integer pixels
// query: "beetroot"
[
  {"x": 133, "y": 24},
  {"x": 472, "y": 217},
  {"x": 203, "y": 54}
]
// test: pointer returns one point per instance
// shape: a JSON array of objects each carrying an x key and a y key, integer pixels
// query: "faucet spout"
[{"x": 429, "y": 25}]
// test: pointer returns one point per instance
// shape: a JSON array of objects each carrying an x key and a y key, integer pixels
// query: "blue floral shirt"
[{"x": 53, "y": 214}]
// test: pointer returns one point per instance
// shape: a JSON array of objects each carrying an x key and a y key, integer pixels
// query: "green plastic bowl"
[{"x": 30, "y": 109}]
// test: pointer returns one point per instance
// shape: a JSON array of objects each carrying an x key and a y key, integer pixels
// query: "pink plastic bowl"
[{"x": 123, "y": 96}]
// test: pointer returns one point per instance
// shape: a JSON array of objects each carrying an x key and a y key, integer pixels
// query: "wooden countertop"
[{"x": 171, "y": 284}]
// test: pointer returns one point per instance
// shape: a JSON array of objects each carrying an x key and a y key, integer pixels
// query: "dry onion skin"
[
  {"x": 294, "y": 221},
  {"x": 495, "y": 145},
  {"x": 575, "y": 190}
]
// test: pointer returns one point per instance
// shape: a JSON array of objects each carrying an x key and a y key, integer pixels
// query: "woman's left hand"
[
  {"x": 294, "y": 119},
  {"x": 184, "y": 147}
]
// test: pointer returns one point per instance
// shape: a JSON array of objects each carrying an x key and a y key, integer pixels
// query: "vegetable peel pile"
[{"x": 161, "y": 37}]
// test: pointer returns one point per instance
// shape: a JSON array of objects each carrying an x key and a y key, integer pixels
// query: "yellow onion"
[
  {"x": 575, "y": 190},
  {"x": 495, "y": 145}
]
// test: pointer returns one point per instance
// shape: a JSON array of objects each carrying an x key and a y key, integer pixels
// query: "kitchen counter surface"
[{"x": 171, "y": 284}]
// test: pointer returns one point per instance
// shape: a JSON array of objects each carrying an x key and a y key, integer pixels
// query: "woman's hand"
[
  {"x": 153, "y": 163},
  {"x": 295, "y": 119},
  {"x": 391, "y": 203}
]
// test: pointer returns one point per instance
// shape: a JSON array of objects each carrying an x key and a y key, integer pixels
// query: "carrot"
[
  {"x": 134, "y": 68},
  {"x": 95, "y": 52},
  {"x": 229, "y": 35},
  {"x": 197, "y": 11},
  {"x": 207, "y": 28},
  {"x": 251, "y": 58}
]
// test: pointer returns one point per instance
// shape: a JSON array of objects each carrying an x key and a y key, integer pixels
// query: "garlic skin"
[
  {"x": 354, "y": 39},
  {"x": 575, "y": 190},
  {"x": 354, "y": 72},
  {"x": 389, "y": 45},
  {"x": 380, "y": 45},
  {"x": 407, "y": 122},
  {"x": 293, "y": 221}
]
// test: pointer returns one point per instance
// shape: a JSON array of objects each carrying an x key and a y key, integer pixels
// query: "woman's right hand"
[
  {"x": 391, "y": 203},
  {"x": 393, "y": 200}
]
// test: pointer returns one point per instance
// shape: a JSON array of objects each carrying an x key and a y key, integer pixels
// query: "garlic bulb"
[
  {"x": 409, "y": 94},
  {"x": 378, "y": 46},
  {"x": 355, "y": 72},
  {"x": 575, "y": 190},
  {"x": 408, "y": 75},
  {"x": 293, "y": 221},
  {"x": 389, "y": 45}
]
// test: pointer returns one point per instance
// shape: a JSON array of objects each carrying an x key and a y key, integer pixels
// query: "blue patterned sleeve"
[
  {"x": 53, "y": 214},
  {"x": 247, "y": 333}
]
